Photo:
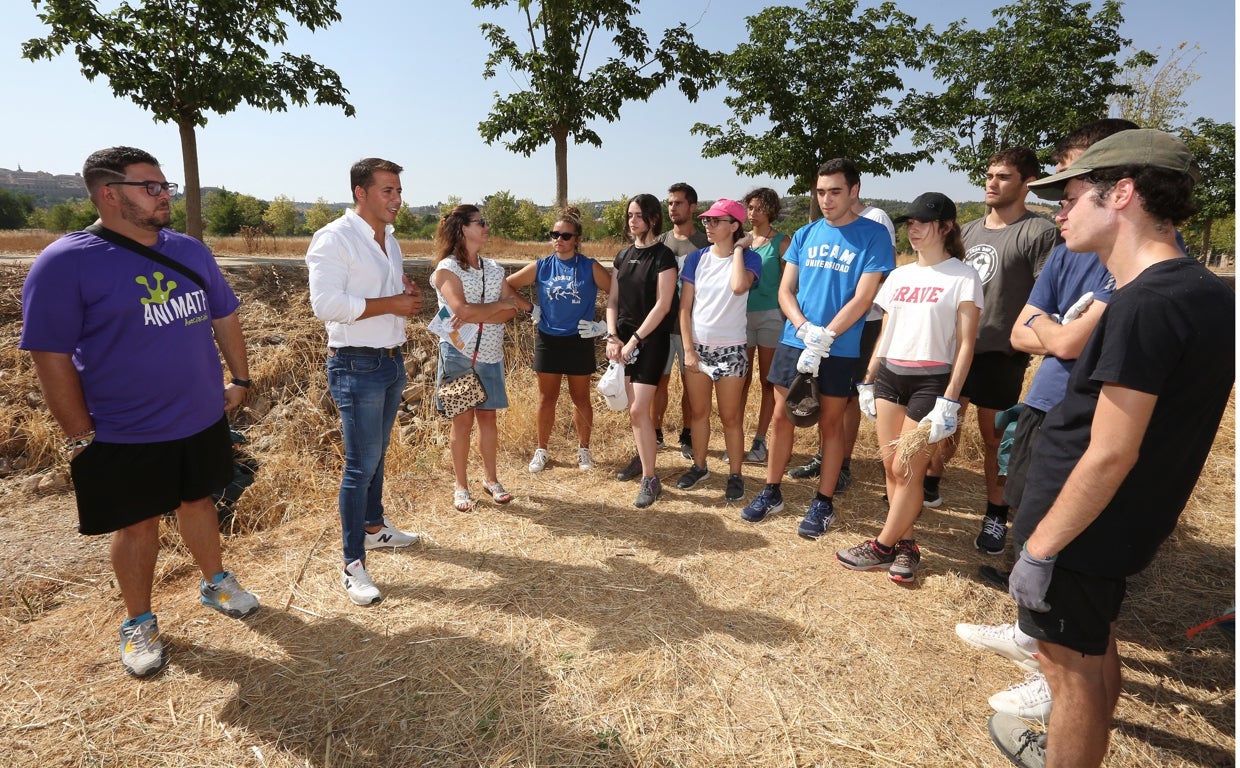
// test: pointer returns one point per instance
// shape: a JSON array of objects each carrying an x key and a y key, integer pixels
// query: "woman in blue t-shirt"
[{"x": 567, "y": 285}]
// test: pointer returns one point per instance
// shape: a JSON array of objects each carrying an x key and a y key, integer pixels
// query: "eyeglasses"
[
  {"x": 563, "y": 235},
  {"x": 153, "y": 188},
  {"x": 482, "y": 222},
  {"x": 714, "y": 221}
]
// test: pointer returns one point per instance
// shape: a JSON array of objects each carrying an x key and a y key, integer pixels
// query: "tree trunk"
[
  {"x": 560, "y": 135},
  {"x": 1206, "y": 227},
  {"x": 193, "y": 188}
]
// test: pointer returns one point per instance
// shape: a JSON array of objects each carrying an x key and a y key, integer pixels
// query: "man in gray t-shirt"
[{"x": 1007, "y": 247}]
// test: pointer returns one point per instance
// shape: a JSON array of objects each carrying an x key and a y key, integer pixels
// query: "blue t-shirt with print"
[
  {"x": 830, "y": 261},
  {"x": 566, "y": 293}
]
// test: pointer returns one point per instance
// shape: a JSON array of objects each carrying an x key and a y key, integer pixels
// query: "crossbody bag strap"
[
  {"x": 116, "y": 238},
  {"x": 478, "y": 341}
]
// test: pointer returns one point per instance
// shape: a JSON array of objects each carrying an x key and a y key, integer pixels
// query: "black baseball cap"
[{"x": 930, "y": 206}]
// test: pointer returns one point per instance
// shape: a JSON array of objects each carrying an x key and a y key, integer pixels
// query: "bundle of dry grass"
[
  {"x": 911, "y": 443},
  {"x": 566, "y": 628}
]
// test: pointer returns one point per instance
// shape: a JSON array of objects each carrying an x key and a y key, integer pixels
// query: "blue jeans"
[{"x": 367, "y": 390}]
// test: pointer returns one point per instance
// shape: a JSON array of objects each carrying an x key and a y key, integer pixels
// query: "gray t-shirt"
[
  {"x": 682, "y": 248},
  {"x": 1008, "y": 260}
]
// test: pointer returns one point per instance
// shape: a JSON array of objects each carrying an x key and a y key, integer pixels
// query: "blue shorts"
[
  {"x": 834, "y": 373},
  {"x": 453, "y": 365}
]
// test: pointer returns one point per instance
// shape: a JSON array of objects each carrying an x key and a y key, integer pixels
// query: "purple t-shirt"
[{"x": 139, "y": 333}]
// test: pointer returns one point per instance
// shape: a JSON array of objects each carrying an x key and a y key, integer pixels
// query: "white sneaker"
[
  {"x": 142, "y": 650},
  {"x": 584, "y": 459},
  {"x": 362, "y": 591},
  {"x": 1030, "y": 700},
  {"x": 1000, "y": 639},
  {"x": 539, "y": 462},
  {"x": 387, "y": 536}
]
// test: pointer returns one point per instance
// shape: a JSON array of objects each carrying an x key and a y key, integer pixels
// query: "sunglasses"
[
  {"x": 563, "y": 235},
  {"x": 483, "y": 222}
]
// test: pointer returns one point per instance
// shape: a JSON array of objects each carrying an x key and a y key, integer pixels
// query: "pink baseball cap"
[{"x": 726, "y": 207}]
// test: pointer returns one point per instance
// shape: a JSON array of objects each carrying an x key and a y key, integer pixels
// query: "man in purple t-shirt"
[{"x": 124, "y": 345}]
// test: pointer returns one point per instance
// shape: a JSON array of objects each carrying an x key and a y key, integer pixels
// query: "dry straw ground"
[{"x": 566, "y": 629}]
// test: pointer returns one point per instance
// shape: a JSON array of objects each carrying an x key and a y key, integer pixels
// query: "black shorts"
[
  {"x": 834, "y": 373},
  {"x": 648, "y": 368},
  {"x": 869, "y": 337},
  {"x": 569, "y": 355},
  {"x": 1083, "y": 607},
  {"x": 995, "y": 380},
  {"x": 916, "y": 393},
  {"x": 120, "y": 484},
  {"x": 1028, "y": 425}
]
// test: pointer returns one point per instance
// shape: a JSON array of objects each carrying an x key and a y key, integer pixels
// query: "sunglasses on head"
[{"x": 563, "y": 235}]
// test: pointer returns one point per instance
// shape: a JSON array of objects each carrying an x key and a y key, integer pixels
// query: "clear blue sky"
[{"x": 414, "y": 72}]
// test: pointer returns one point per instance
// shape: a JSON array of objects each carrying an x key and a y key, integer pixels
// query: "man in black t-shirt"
[{"x": 1118, "y": 458}]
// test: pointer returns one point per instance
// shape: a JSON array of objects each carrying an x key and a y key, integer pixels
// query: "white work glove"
[
  {"x": 942, "y": 419},
  {"x": 715, "y": 372},
  {"x": 865, "y": 399},
  {"x": 588, "y": 329},
  {"x": 809, "y": 361},
  {"x": 816, "y": 338},
  {"x": 535, "y": 314},
  {"x": 1076, "y": 309}
]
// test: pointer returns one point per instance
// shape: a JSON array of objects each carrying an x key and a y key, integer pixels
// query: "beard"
[{"x": 154, "y": 221}]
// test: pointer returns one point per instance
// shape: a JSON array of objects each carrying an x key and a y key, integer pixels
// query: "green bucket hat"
[{"x": 1139, "y": 146}]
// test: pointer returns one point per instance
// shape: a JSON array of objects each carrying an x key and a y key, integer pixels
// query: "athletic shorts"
[
  {"x": 916, "y": 393},
  {"x": 869, "y": 338},
  {"x": 453, "y": 365},
  {"x": 834, "y": 373},
  {"x": 995, "y": 380},
  {"x": 676, "y": 351},
  {"x": 648, "y": 368},
  {"x": 1028, "y": 426},
  {"x": 120, "y": 484},
  {"x": 1083, "y": 607},
  {"x": 764, "y": 327},
  {"x": 732, "y": 359},
  {"x": 569, "y": 355}
]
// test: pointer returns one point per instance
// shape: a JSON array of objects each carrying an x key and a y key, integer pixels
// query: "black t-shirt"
[
  {"x": 1170, "y": 333},
  {"x": 637, "y": 276}
]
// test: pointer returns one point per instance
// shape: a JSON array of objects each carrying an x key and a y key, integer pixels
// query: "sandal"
[
  {"x": 461, "y": 500},
  {"x": 497, "y": 492}
]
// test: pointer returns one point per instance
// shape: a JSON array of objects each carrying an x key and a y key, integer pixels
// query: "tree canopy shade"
[
  {"x": 561, "y": 97},
  {"x": 1039, "y": 70},
  {"x": 1214, "y": 150},
  {"x": 822, "y": 79},
  {"x": 181, "y": 59}
]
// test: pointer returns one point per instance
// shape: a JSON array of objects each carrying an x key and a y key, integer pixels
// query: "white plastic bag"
[{"x": 611, "y": 385}]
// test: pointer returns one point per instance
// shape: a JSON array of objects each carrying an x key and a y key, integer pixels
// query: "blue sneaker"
[
  {"x": 767, "y": 502},
  {"x": 817, "y": 519}
]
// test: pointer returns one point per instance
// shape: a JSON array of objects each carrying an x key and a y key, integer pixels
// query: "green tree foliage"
[
  {"x": 407, "y": 222},
  {"x": 182, "y": 60},
  {"x": 1213, "y": 146},
  {"x": 177, "y": 219},
  {"x": 1039, "y": 70},
  {"x": 1157, "y": 89},
  {"x": 512, "y": 218},
  {"x": 69, "y": 216},
  {"x": 283, "y": 216},
  {"x": 15, "y": 209},
  {"x": 815, "y": 97},
  {"x": 446, "y": 208},
  {"x": 614, "y": 217},
  {"x": 320, "y": 215},
  {"x": 560, "y": 98},
  {"x": 227, "y": 212}
]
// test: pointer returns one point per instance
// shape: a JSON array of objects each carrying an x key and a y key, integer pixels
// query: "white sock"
[{"x": 1025, "y": 641}]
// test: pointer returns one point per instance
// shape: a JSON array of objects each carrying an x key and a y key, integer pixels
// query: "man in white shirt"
[{"x": 357, "y": 287}]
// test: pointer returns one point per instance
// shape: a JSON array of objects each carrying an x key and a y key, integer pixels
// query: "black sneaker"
[
  {"x": 736, "y": 488},
  {"x": 844, "y": 480},
  {"x": 686, "y": 443},
  {"x": 993, "y": 577},
  {"x": 1018, "y": 743},
  {"x": 658, "y": 437},
  {"x": 993, "y": 536},
  {"x": 813, "y": 468},
  {"x": 691, "y": 478},
  {"x": 634, "y": 469},
  {"x": 650, "y": 490},
  {"x": 931, "y": 499}
]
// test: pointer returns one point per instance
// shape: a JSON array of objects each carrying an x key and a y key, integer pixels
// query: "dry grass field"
[{"x": 565, "y": 629}]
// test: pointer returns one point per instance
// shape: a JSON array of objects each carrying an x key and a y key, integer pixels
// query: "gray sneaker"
[
  {"x": 1020, "y": 744},
  {"x": 650, "y": 490},
  {"x": 634, "y": 469},
  {"x": 903, "y": 569},
  {"x": 757, "y": 453},
  {"x": 811, "y": 468},
  {"x": 142, "y": 650},
  {"x": 865, "y": 557},
  {"x": 227, "y": 597}
]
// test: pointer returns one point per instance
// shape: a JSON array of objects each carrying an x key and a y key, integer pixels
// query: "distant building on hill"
[{"x": 45, "y": 188}]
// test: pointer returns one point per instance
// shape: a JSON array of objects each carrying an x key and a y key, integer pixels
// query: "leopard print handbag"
[{"x": 461, "y": 394}]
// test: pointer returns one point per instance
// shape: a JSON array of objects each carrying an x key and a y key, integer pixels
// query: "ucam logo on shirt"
[{"x": 832, "y": 257}]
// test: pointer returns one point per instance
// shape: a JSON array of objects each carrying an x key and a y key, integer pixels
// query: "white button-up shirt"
[{"x": 346, "y": 268}]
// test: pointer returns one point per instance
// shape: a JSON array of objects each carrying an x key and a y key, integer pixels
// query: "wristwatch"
[{"x": 247, "y": 383}]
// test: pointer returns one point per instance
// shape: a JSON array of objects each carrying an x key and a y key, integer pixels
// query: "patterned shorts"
[{"x": 731, "y": 359}]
